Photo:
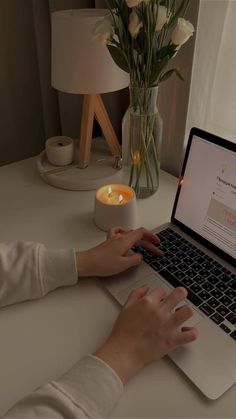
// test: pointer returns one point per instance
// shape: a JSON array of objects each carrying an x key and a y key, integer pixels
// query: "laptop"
[{"x": 199, "y": 247}]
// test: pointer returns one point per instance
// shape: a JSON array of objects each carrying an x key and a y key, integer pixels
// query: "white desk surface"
[{"x": 40, "y": 340}]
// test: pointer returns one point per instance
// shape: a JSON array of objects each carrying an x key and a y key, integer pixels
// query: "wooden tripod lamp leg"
[
  {"x": 86, "y": 130},
  {"x": 93, "y": 105},
  {"x": 107, "y": 128}
]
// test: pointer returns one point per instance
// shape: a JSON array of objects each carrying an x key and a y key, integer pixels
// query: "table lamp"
[{"x": 80, "y": 65}]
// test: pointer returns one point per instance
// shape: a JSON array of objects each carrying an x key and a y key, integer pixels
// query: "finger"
[
  {"x": 150, "y": 236},
  {"x": 158, "y": 294},
  {"x": 186, "y": 329},
  {"x": 114, "y": 231},
  {"x": 183, "y": 314},
  {"x": 151, "y": 247},
  {"x": 134, "y": 236},
  {"x": 187, "y": 336},
  {"x": 131, "y": 260},
  {"x": 175, "y": 297},
  {"x": 136, "y": 294}
]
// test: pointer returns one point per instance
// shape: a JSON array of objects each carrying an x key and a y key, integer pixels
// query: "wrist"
[
  {"x": 83, "y": 264},
  {"x": 120, "y": 360}
]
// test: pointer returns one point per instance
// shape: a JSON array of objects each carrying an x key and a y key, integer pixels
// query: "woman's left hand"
[{"x": 112, "y": 256}]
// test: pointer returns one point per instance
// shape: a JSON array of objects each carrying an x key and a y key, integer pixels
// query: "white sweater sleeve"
[
  {"x": 29, "y": 271},
  {"x": 89, "y": 390}
]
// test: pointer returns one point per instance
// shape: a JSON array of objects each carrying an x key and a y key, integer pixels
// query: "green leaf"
[
  {"x": 169, "y": 73},
  {"x": 119, "y": 57},
  {"x": 157, "y": 69},
  {"x": 166, "y": 52},
  {"x": 166, "y": 75},
  {"x": 179, "y": 75}
]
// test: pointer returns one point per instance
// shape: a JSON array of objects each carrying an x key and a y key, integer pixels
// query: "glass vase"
[{"x": 141, "y": 141}]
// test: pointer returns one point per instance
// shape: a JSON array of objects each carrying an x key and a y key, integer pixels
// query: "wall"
[{"x": 173, "y": 102}]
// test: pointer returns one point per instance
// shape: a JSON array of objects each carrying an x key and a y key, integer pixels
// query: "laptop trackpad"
[{"x": 154, "y": 281}]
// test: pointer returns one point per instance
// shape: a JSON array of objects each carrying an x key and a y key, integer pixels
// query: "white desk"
[{"x": 40, "y": 340}]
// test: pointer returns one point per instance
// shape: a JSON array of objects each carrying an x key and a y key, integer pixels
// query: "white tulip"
[
  {"x": 103, "y": 30},
  {"x": 134, "y": 24},
  {"x": 161, "y": 18},
  {"x": 182, "y": 32},
  {"x": 133, "y": 3}
]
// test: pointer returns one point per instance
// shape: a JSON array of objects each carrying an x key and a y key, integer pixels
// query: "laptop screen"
[{"x": 206, "y": 199}]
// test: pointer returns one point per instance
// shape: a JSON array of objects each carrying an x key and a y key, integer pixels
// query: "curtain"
[
  {"x": 213, "y": 89},
  {"x": 28, "y": 105}
]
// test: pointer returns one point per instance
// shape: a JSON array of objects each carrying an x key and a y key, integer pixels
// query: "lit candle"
[{"x": 115, "y": 205}]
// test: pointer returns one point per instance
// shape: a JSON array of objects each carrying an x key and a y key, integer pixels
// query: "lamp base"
[{"x": 99, "y": 172}]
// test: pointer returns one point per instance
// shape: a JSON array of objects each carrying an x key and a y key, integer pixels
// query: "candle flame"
[
  {"x": 109, "y": 191},
  {"x": 121, "y": 199}
]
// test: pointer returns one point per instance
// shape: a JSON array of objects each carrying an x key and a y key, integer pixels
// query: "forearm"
[
  {"x": 29, "y": 271},
  {"x": 89, "y": 390}
]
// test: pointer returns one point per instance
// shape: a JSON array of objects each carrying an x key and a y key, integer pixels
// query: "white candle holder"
[
  {"x": 60, "y": 150},
  {"x": 115, "y": 205}
]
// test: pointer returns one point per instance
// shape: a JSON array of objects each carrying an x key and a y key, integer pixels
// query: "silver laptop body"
[{"x": 204, "y": 220}]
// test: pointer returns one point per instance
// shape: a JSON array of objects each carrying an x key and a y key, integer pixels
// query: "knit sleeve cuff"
[
  {"x": 93, "y": 385},
  {"x": 56, "y": 268}
]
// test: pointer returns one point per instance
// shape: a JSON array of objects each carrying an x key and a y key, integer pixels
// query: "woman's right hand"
[{"x": 147, "y": 328}]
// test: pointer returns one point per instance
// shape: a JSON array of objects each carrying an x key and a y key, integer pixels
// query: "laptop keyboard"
[{"x": 211, "y": 287}]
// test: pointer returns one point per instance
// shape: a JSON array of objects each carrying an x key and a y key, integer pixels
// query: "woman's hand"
[
  {"x": 112, "y": 256},
  {"x": 147, "y": 328}
]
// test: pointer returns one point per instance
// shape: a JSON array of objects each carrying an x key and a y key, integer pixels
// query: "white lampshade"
[{"x": 79, "y": 63}]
